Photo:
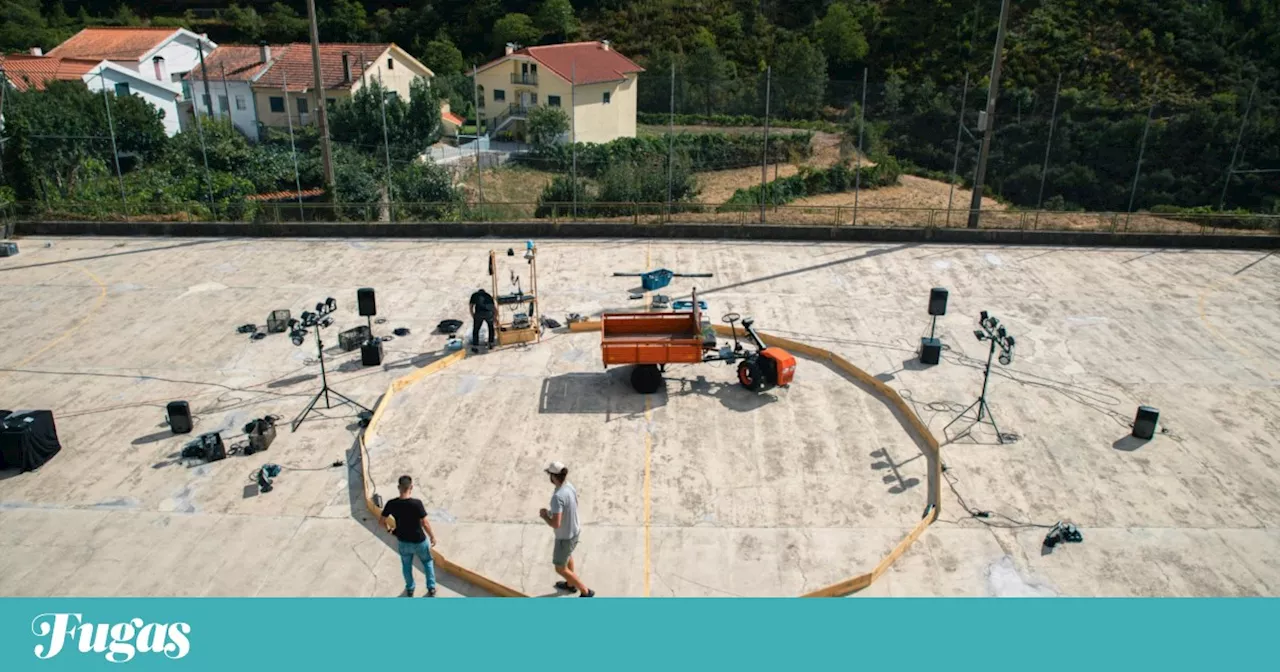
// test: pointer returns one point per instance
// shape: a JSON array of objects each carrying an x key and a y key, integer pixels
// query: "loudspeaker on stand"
[
  {"x": 179, "y": 417},
  {"x": 367, "y": 302}
]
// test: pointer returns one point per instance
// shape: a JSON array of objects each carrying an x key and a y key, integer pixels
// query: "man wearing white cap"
[{"x": 563, "y": 517}]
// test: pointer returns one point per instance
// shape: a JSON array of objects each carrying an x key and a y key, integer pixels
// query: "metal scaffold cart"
[{"x": 517, "y": 316}]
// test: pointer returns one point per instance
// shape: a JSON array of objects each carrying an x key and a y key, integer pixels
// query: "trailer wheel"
[
  {"x": 750, "y": 375},
  {"x": 646, "y": 378}
]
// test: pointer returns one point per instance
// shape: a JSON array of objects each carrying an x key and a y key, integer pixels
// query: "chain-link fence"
[{"x": 710, "y": 144}]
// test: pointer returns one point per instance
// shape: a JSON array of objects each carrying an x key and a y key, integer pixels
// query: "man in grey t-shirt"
[{"x": 563, "y": 518}]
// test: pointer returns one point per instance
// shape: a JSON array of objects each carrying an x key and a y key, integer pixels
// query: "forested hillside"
[{"x": 1190, "y": 64}]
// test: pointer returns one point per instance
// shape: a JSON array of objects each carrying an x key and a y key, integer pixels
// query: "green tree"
[
  {"x": 282, "y": 25},
  {"x": 424, "y": 191},
  {"x": 546, "y": 125},
  {"x": 412, "y": 126},
  {"x": 55, "y": 136},
  {"x": 841, "y": 36},
  {"x": 22, "y": 26},
  {"x": 517, "y": 28},
  {"x": 556, "y": 20},
  {"x": 345, "y": 21},
  {"x": 245, "y": 21},
  {"x": 442, "y": 56},
  {"x": 799, "y": 79}
]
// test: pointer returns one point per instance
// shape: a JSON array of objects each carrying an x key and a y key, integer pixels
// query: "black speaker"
[
  {"x": 1144, "y": 424},
  {"x": 930, "y": 350},
  {"x": 179, "y": 417},
  {"x": 938, "y": 301},
  {"x": 368, "y": 306},
  {"x": 371, "y": 353}
]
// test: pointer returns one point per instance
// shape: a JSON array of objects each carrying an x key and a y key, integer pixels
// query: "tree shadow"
[{"x": 1129, "y": 443}]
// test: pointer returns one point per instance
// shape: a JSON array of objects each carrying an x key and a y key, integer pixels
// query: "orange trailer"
[{"x": 650, "y": 341}]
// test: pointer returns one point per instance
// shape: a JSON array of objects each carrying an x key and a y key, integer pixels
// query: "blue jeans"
[{"x": 422, "y": 549}]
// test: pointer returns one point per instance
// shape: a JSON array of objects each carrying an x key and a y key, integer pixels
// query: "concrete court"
[{"x": 747, "y": 495}]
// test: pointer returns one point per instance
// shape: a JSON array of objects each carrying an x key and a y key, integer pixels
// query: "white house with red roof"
[
  {"x": 141, "y": 61},
  {"x": 591, "y": 81}
]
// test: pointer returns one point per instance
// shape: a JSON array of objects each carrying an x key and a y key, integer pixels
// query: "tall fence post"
[
  {"x": 386, "y": 144},
  {"x": 1231, "y": 167},
  {"x": 764, "y": 159},
  {"x": 857, "y": 170},
  {"x": 955, "y": 163},
  {"x": 293, "y": 147},
  {"x": 475, "y": 94},
  {"x": 573, "y": 131},
  {"x": 671, "y": 137},
  {"x": 111, "y": 128},
  {"x": 204, "y": 152},
  {"x": 1137, "y": 172},
  {"x": 1048, "y": 143}
]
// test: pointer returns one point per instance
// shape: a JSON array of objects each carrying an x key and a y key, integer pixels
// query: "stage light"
[
  {"x": 1005, "y": 359},
  {"x": 326, "y": 322},
  {"x": 331, "y": 304},
  {"x": 979, "y": 335},
  {"x": 1002, "y": 341},
  {"x": 293, "y": 324},
  {"x": 1001, "y": 332},
  {"x": 319, "y": 320},
  {"x": 982, "y": 316},
  {"x": 297, "y": 337}
]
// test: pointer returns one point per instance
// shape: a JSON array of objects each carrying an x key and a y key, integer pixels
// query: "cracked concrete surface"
[{"x": 749, "y": 495}]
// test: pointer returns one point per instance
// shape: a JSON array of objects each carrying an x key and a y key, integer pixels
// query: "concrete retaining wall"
[{"x": 627, "y": 230}]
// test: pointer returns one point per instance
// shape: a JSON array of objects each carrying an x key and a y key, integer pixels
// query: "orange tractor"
[{"x": 651, "y": 341}]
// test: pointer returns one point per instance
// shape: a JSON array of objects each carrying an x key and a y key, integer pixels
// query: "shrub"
[
  {"x": 811, "y": 182},
  {"x": 706, "y": 151}
]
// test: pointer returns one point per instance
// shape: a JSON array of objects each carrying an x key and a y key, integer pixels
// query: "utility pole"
[
  {"x": 322, "y": 115},
  {"x": 1048, "y": 143},
  {"x": 1244, "y": 121},
  {"x": 204, "y": 77},
  {"x": 1137, "y": 171},
  {"x": 993, "y": 91},
  {"x": 386, "y": 144},
  {"x": 573, "y": 130}
]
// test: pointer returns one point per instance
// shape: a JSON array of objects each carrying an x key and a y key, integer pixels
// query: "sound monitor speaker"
[
  {"x": 368, "y": 305},
  {"x": 180, "y": 417},
  {"x": 930, "y": 350},
  {"x": 213, "y": 446},
  {"x": 371, "y": 353},
  {"x": 938, "y": 301},
  {"x": 1144, "y": 424}
]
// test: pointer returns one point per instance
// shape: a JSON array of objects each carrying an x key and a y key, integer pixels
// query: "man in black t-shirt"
[
  {"x": 413, "y": 533},
  {"x": 482, "y": 310}
]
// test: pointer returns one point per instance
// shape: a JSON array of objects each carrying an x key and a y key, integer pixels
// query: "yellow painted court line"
[{"x": 102, "y": 298}]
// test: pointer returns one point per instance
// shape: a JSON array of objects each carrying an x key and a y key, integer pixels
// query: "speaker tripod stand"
[
  {"x": 991, "y": 331},
  {"x": 325, "y": 390}
]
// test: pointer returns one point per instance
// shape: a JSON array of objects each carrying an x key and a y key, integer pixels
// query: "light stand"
[
  {"x": 991, "y": 331},
  {"x": 318, "y": 321}
]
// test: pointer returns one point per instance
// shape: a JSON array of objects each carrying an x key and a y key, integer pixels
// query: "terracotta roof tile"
[
  {"x": 242, "y": 61},
  {"x": 285, "y": 195},
  {"x": 37, "y": 70},
  {"x": 451, "y": 118},
  {"x": 295, "y": 61},
  {"x": 113, "y": 43},
  {"x": 581, "y": 62}
]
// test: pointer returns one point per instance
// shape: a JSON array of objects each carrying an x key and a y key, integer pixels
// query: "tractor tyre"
[
  {"x": 646, "y": 378},
  {"x": 751, "y": 376}
]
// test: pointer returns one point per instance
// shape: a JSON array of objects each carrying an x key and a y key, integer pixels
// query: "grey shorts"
[{"x": 564, "y": 549}]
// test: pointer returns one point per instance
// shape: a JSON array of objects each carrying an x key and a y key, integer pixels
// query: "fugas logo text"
[{"x": 119, "y": 642}]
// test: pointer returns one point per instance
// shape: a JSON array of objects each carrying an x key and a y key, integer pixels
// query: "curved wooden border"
[
  {"x": 850, "y": 585},
  {"x": 441, "y": 562}
]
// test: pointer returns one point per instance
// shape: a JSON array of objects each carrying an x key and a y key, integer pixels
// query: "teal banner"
[{"x": 608, "y": 634}]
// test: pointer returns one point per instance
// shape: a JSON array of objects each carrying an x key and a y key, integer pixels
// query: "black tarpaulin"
[{"x": 28, "y": 440}]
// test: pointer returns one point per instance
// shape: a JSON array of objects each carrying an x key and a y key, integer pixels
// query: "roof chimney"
[
  {"x": 511, "y": 46},
  {"x": 264, "y": 52},
  {"x": 37, "y": 51},
  {"x": 346, "y": 67},
  {"x": 604, "y": 44}
]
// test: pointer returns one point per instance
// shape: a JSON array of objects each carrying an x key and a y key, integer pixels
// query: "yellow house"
[
  {"x": 344, "y": 68},
  {"x": 593, "y": 83}
]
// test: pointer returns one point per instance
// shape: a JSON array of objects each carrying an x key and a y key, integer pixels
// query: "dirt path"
[{"x": 717, "y": 186}]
